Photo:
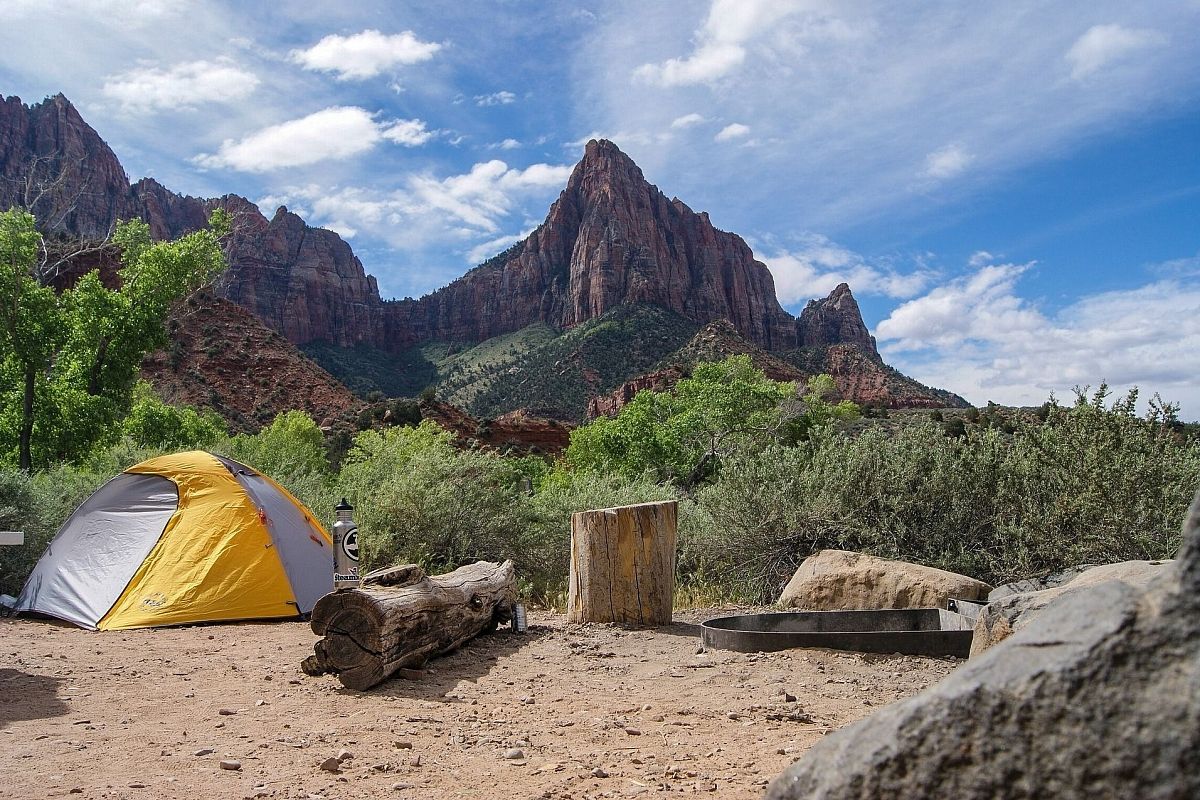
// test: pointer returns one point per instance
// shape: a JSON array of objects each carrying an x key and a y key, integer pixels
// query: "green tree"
[
  {"x": 817, "y": 409},
  {"x": 31, "y": 330},
  {"x": 153, "y": 423},
  {"x": 292, "y": 446},
  {"x": 681, "y": 435},
  {"x": 69, "y": 360}
]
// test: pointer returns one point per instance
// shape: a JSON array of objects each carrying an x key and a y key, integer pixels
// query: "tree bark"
[
  {"x": 400, "y": 617},
  {"x": 25, "y": 445},
  {"x": 623, "y": 564}
]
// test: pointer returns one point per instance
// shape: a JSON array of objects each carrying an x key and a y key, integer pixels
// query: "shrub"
[
  {"x": 153, "y": 423},
  {"x": 420, "y": 500},
  {"x": 1090, "y": 485},
  {"x": 291, "y": 446},
  {"x": 557, "y": 495},
  {"x": 18, "y": 512}
]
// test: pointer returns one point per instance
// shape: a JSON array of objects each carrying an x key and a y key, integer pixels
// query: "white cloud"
[
  {"x": 720, "y": 43},
  {"x": 366, "y": 54},
  {"x": 687, "y": 121},
  {"x": 982, "y": 304},
  {"x": 501, "y": 98},
  {"x": 814, "y": 266},
  {"x": 333, "y": 133},
  {"x": 485, "y": 250},
  {"x": 861, "y": 98},
  {"x": 463, "y": 208},
  {"x": 182, "y": 86},
  {"x": 979, "y": 258},
  {"x": 947, "y": 162},
  {"x": 734, "y": 130},
  {"x": 1103, "y": 44},
  {"x": 408, "y": 132},
  {"x": 506, "y": 144},
  {"x": 977, "y": 336}
]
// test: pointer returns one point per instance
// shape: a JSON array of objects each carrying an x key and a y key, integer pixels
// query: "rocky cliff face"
[
  {"x": 303, "y": 282},
  {"x": 610, "y": 239},
  {"x": 835, "y": 320},
  {"x": 52, "y": 162}
]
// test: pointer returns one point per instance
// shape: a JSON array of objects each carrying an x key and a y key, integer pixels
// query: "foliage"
[
  {"x": 153, "y": 423},
  {"x": 365, "y": 368},
  {"x": 559, "y": 375},
  {"x": 69, "y": 360},
  {"x": 292, "y": 445},
  {"x": 1092, "y": 484},
  {"x": 681, "y": 435},
  {"x": 18, "y": 513},
  {"x": 816, "y": 410},
  {"x": 419, "y": 499}
]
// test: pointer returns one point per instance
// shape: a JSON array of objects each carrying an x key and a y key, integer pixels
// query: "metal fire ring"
[{"x": 909, "y": 631}]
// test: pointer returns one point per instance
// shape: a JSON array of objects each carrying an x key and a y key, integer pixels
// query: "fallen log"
[{"x": 400, "y": 617}]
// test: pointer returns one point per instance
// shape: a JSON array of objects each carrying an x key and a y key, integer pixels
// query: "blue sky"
[{"x": 1011, "y": 189}]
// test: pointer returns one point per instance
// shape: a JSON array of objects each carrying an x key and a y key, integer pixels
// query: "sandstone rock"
[
  {"x": 832, "y": 580},
  {"x": 1098, "y": 697},
  {"x": 78, "y": 186},
  {"x": 835, "y": 320},
  {"x": 611, "y": 238},
  {"x": 1000, "y": 618},
  {"x": 516, "y": 429}
]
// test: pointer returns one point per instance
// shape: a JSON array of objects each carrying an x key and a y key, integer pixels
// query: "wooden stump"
[
  {"x": 400, "y": 617},
  {"x": 623, "y": 564}
]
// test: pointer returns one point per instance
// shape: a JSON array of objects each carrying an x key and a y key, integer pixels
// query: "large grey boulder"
[
  {"x": 1051, "y": 581},
  {"x": 1000, "y": 618},
  {"x": 1099, "y": 697},
  {"x": 838, "y": 580}
]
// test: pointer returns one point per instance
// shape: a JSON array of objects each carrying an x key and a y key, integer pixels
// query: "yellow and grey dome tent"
[{"x": 190, "y": 537}]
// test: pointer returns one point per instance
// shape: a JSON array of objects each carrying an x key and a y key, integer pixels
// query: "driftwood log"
[
  {"x": 400, "y": 617},
  {"x": 623, "y": 564}
]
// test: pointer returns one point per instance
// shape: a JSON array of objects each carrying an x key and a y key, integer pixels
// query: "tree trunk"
[
  {"x": 400, "y": 617},
  {"x": 623, "y": 564},
  {"x": 25, "y": 446}
]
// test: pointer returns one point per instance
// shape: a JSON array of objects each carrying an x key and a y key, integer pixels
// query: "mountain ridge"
[{"x": 610, "y": 240}]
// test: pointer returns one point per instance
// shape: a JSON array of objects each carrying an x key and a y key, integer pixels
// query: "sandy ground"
[{"x": 595, "y": 711}]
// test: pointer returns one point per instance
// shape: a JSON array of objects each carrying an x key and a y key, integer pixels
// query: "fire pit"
[{"x": 911, "y": 631}]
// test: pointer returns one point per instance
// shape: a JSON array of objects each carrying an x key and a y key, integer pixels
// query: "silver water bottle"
[{"x": 345, "y": 548}]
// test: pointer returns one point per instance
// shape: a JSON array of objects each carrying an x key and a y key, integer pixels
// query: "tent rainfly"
[{"x": 184, "y": 538}]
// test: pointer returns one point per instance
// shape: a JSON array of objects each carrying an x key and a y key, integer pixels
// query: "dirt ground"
[{"x": 562, "y": 711}]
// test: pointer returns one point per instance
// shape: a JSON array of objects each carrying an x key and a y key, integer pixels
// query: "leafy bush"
[
  {"x": 1090, "y": 485},
  {"x": 153, "y": 423},
  {"x": 291, "y": 446},
  {"x": 18, "y": 512},
  {"x": 418, "y": 499},
  {"x": 680, "y": 435},
  {"x": 558, "y": 495}
]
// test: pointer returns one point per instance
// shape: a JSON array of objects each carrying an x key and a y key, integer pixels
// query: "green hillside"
[{"x": 535, "y": 368}]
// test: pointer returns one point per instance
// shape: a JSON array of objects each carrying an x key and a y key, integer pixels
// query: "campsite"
[
  {"x": 124, "y": 714},
  {"x": 145, "y": 661},
  {"x": 536, "y": 401}
]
